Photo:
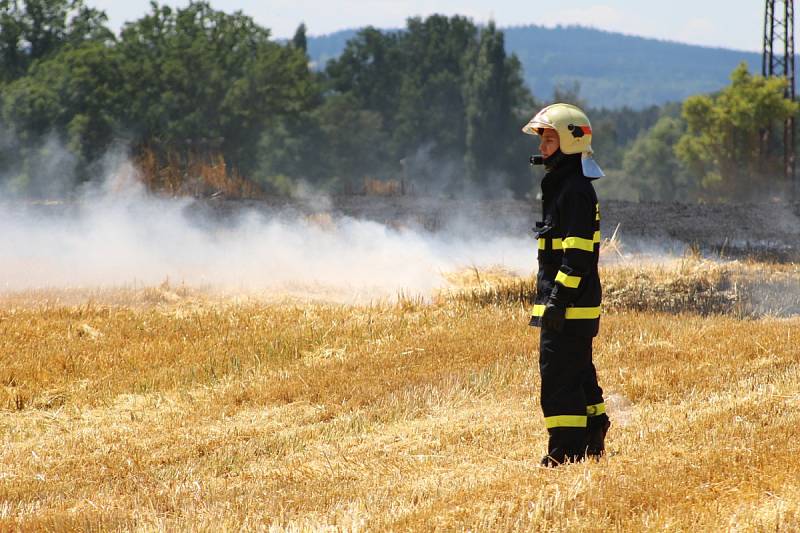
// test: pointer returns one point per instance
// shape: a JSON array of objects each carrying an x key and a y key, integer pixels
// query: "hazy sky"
[{"x": 727, "y": 23}]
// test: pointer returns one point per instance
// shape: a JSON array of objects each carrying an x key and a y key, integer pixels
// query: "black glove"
[{"x": 553, "y": 317}]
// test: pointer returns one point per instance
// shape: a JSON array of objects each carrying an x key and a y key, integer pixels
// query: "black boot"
[
  {"x": 566, "y": 445},
  {"x": 596, "y": 435}
]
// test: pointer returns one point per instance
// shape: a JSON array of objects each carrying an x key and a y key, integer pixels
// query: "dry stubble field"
[{"x": 165, "y": 409}]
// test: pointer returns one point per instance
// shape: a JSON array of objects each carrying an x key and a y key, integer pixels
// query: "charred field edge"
[{"x": 767, "y": 232}]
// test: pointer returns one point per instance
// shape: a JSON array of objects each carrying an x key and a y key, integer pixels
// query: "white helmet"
[{"x": 574, "y": 133}]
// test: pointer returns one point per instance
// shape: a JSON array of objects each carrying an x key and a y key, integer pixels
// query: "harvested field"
[
  {"x": 688, "y": 285},
  {"x": 172, "y": 408}
]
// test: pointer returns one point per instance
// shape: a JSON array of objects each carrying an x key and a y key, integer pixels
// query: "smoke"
[
  {"x": 43, "y": 169},
  {"x": 116, "y": 234},
  {"x": 430, "y": 172}
]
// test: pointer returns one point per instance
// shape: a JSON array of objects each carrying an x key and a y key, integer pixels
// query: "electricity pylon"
[{"x": 778, "y": 60}]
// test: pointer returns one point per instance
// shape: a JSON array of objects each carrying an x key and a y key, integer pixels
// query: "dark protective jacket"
[{"x": 569, "y": 248}]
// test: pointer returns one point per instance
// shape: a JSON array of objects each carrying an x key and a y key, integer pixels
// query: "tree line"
[{"x": 437, "y": 106}]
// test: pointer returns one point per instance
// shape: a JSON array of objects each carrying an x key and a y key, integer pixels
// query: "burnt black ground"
[
  {"x": 764, "y": 231},
  {"x": 767, "y": 231}
]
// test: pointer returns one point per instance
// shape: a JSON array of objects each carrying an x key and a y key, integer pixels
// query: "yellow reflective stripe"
[
  {"x": 583, "y": 313},
  {"x": 573, "y": 313},
  {"x": 587, "y": 245},
  {"x": 571, "y": 282},
  {"x": 596, "y": 409},
  {"x": 557, "y": 244},
  {"x": 597, "y": 211},
  {"x": 578, "y": 243},
  {"x": 565, "y": 421}
]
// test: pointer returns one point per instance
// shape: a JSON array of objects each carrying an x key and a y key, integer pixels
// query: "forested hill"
[
  {"x": 613, "y": 69},
  {"x": 326, "y": 47}
]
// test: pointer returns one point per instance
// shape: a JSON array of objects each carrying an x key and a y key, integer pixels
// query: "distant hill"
[
  {"x": 326, "y": 47},
  {"x": 616, "y": 70},
  {"x": 613, "y": 69}
]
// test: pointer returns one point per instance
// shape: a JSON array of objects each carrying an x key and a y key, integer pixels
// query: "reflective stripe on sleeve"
[
  {"x": 570, "y": 282},
  {"x": 573, "y": 313},
  {"x": 596, "y": 409},
  {"x": 557, "y": 244},
  {"x": 565, "y": 421},
  {"x": 597, "y": 211},
  {"x": 587, "y": 245},
  {"x": 578, "y": 243}
]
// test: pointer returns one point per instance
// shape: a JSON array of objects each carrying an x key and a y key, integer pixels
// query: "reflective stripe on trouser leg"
[
  {"x": 565, "y": 421},
  {"x": 595, "y": 403},
  {"x": 596, "y": 409},
  {"x": 564, "y": 365}
]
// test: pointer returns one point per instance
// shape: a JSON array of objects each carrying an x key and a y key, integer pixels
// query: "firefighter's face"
[{"x": 548, "y": 142}]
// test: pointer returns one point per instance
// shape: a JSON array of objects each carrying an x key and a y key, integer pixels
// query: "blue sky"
[{"x": 727, "y": 23}]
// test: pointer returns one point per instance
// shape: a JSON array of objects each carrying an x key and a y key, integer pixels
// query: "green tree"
[
  {"x": 652, "y": 168},
  {"x": 300, "y": 41},
  {"x": 724, "y": 144},
  {"x": 353, "y": 140},
  {"x": 74, "y": 96},
  {"x": 37, "y": 29},
  {"x": 430, "y": 99},
  {"x": 371, "y": 70},
  {"x": 448, "y": 96},
  {"x": 413, "y": 80},
  {"x": 336, "y": 145},
  {"x": 496, "y": 102},
  {"x": 616, "y": 129},
  {"x": 494, "y": 94},
  {"x": 488, "y": 107},
  {"x": 569, "y": 93},
  {"x": 202, "y": 80}
]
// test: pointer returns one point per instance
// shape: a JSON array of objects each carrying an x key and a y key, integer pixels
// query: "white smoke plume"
[{"x": 119, "y": 235}]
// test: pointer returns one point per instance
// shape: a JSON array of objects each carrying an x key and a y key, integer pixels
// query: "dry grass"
[
  {"x": 742, "y": 289},
  {"x": 376, "y": 187},
  {"x": 202, "y": 414},
  {"x": 197, "y": 175}
]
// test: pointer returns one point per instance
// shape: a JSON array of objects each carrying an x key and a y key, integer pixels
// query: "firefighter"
[{"x": 568, "y": 294}]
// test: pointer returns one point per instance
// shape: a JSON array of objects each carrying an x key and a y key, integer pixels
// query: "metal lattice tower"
[{"x": 778, "y": 60}]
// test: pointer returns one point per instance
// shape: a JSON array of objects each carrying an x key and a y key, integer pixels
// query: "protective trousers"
[{"x": 571, "y": 398}]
